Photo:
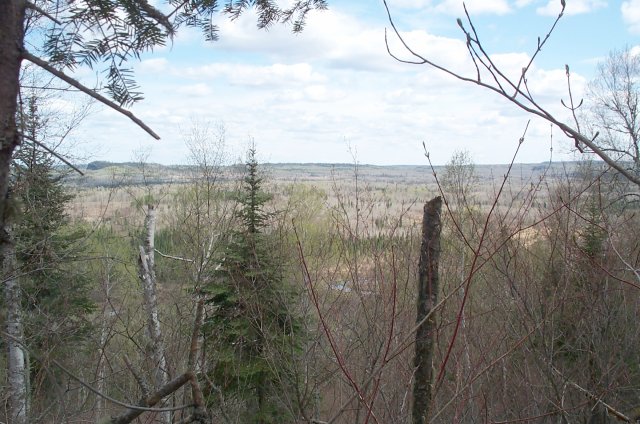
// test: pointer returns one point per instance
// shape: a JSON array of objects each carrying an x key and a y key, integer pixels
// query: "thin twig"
[
  {"x": 42, "y": 12},
  {"x": 572, "y": 107},
  {"x": 143, "y": 384},
  {"x": 627, "y": 264},
  {"x": 64, "y": 77},
  {"x": 177, "y": 258},
  {"x": 325, "y": 326},
  {"x": 474, "y": 261},
  {"x": 93, "y": 389},
  {"x": 54, "y": 153},
  {"x": 530, "y": 106},
  {"x": 610, "y": 409}
]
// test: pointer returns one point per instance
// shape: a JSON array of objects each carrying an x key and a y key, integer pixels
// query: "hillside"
[{"x": 110, "y": 174}]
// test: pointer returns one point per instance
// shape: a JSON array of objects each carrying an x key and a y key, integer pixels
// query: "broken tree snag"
[{"x": 427, "y": 299}]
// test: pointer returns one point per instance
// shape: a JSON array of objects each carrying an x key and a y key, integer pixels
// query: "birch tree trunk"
[
  {"x": 16, "y": 358},
  {"x": 148, "y": 278},
  {"x": 427, "y": 299}
]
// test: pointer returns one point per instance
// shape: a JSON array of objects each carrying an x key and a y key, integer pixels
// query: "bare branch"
[
  {"x": 157, "y": 15},
  {"x": 539, "y": 48},
  {"x": 522, "y": 99},
  {"x": 143, "y": 384},
  {"x": 96, "y": 391},
  {"x": 610, "y": 409},
  {"x": 58, "y": 156},
  {"x": 177, "y": 258},
  {"x": 64, "y": 77},
  {"x": 43, "y": 12},
  {"x": 631, "y": 268},
  {"x": 132, "y": 413}
]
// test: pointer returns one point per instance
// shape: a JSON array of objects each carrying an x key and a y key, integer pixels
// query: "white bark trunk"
[
  {"x": 16, "y": 365},
  {"x": 148, "y": 278}
]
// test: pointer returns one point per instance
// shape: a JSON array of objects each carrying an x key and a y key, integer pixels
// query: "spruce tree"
[
  {"x": 252, "y": 319},
  {"x": 55, "y": 294}
]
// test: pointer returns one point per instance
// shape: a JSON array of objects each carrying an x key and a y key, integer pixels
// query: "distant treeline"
[{"x": 100, "y": 164}]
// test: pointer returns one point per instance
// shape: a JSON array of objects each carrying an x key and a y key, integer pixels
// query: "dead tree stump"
[{"x": 427, "y": 299}]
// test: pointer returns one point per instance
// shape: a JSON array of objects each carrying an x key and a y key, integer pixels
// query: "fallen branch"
[
  {"x": 610, "y": 409},
  {"x": 132, "y": 413}
]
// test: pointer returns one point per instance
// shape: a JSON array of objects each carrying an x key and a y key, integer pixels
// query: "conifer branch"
[
  {"x": 158, "y": 16},
  {"x": 73, "y": 82}
]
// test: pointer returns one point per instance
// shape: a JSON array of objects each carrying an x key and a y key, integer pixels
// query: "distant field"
[
  {"x": 109, "y": 193},
  {"x": 117, "y": 174}
]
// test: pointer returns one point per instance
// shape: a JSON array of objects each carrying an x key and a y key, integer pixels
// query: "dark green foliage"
[
  {"x": 57, "y": 296},
  {"x": 255, "y": 331},
  {"x": 594, "y": 235}
]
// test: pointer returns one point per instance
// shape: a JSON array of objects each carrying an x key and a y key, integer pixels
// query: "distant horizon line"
[{"x": 341, "y": 164}]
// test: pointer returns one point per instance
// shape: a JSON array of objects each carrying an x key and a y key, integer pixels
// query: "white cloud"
[
  {"x": 475, "y": 7},
  {"x": 301, "y": 96},
  {"x": 196, "y": 90},
  {"x": 153, "y": 65},
  {"x": 330, "y": 37},
  {"x": 523, "y": 3},
  {"x": 574, "y": 7},
  {"x": 448, "y": 52},
  {"x": 511, "y": 64},
  {"x": 339, "y": 41},
  {"x": 254, "y": 75},
  {"x": 631, "y": 15},
  {"x": 455, "y": 7},
  {"x": 412, "y": 4},
  {"x": 311, "y": 93},
  {"x": 551, "y": 85}
]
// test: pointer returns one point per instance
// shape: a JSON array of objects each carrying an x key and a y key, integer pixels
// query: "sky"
[{"x": 333, "y": 94}]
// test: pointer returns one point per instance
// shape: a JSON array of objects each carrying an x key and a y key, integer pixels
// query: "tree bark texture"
[
  {"x": 427, "y": 299},
  {"x": 148, "y": 278},
  {"x": 12, "y": 15},
  {"x": 16, "y": 355}
]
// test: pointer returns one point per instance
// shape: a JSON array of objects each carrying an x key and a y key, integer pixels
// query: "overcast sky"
[{"x": 333, "y": 91}]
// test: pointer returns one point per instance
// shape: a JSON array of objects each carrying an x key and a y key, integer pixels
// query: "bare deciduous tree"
[
  {"x": 614, "y": 107},
  {"x": 489, "y": 75}
]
